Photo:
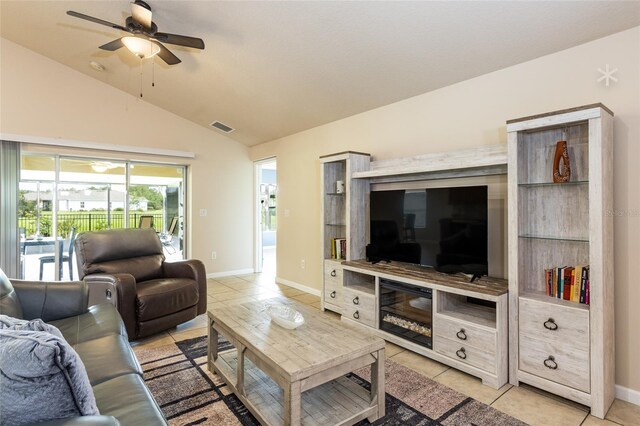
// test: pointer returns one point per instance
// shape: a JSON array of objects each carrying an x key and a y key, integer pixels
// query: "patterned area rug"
[{"x": 189, "y": 394}]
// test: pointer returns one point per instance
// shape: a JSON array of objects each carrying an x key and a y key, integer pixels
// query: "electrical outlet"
[
  {"x": 203, "y": 212},
  {"x": 287, "y": 212},
  {"x": 214, "y": 255},
  {"x": 302, "y": 264}
]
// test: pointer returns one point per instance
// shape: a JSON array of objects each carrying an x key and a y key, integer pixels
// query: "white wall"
[
  {"x": 40, "y": 97},
  {"x": 472, "y": 114}
]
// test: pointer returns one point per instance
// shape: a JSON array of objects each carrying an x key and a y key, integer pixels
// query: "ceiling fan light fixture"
[{"x": 141, "y": 47}]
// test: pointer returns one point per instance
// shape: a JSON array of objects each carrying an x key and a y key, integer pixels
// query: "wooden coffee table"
[{"x": 295, "y": 377}]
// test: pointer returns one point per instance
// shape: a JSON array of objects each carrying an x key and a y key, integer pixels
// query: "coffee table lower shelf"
[{"x": 338, "y": 402}]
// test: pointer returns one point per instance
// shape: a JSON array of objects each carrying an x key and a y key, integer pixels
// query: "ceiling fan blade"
[
  {"x": 96, "y": 20},
  {"x": 166, "y": 55},
  {"x": 180, "y": 40},
  {"x": 141, "y": 13},
  {"x": 112, "y": 45}
]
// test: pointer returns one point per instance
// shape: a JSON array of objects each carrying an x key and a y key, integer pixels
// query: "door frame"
[{"x": 257, "y": 225}]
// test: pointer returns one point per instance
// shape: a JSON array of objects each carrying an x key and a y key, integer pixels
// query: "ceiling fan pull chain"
[
  {"x": 153, "y": 72},
  {"x": 140, "y": 77}
]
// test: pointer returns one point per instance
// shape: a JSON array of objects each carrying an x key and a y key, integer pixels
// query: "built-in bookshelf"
[
  {"x": 344, "y": 222},
  {"x": 559, "y": 345}
]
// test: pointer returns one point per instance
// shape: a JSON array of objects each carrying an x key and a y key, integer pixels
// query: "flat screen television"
[{"x": 445, "y": 228}]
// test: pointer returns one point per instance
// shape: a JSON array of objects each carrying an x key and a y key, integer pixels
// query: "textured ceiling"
[{"x": 271, "y": 69}]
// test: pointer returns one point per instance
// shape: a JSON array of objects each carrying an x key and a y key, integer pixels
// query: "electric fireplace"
[{"x": 406, "y": 311}]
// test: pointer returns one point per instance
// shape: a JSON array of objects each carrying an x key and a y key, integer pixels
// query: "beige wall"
[
  {"x": 471, "y": 114},
  {"x": 40, "y": 97}
]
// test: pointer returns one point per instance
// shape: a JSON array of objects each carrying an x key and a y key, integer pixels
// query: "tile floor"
[{"x": 528, "y": 404}]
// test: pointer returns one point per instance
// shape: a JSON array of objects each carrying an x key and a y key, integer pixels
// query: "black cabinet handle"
[
  {"x": 333, "y": 294},
  {"x": 550, "y": 324},
  {"x": 461, "y": 334},
  {"x": 356, "y": 300},
  {"x": 461, "y": 353},
  {"x": 333, "y": 273},
  {"x": 550, "y": 363},
  {"x": 356, "y": 315}
]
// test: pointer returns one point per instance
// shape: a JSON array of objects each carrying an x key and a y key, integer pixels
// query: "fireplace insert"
[{"x": 406, "y": 311}]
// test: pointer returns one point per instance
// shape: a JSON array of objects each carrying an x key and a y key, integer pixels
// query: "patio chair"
[
  {"x": 146, "y": 221},
  {"x": 167, "y": 239},
  {"x": 65, "y": 257}
]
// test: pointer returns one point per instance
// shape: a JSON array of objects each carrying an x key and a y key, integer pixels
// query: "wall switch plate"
[
  {"x": 214, "y": 255},
  {"x": 203, "y": 212},
  {"x": 287, "y": 212}
]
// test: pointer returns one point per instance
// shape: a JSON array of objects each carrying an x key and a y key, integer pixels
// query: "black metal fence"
[{"x": 85, "y": 221}]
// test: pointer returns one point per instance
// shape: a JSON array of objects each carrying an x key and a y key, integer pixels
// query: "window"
[{"x": 59, "y": 194}]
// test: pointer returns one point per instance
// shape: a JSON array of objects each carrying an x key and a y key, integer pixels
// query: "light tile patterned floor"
[{"x": 525, "y": 403}]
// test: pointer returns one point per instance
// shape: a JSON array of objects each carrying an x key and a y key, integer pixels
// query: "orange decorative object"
[{"x": 561, "y": 175}]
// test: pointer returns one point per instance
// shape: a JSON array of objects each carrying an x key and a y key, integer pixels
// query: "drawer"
[
  {"x": 567, "y": 366},
  {"x": 565, "y": 326},
  {"x": 356, "y": 313},
  {"x": 333, "y": 295},
  {"x": 464, "y": 353},
  {"x": 364, "y": 301},
  {"x": 332, "y": 275},
  {"x": 465, "y": 334},
  {"x": 359, "y": 306}
]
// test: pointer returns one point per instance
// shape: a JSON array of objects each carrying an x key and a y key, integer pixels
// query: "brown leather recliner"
[{"x": 152, "y": 295}]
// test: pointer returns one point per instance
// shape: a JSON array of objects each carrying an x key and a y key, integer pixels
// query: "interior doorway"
[{"x": 266, "y": 217}]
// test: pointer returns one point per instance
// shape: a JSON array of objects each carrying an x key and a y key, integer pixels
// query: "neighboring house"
[{"x": 86, "y": 200}]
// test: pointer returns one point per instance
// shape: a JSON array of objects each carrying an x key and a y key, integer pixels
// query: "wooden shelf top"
[
  {"x": 485, "y": 285},
  {"x": 562, "y": 111},
  {"x": 344, "y": 153}
]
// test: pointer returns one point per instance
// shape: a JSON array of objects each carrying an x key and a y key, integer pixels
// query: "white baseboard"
[
  {"x": 629, "y": 395},
  {"x": 299, "y": 286},
  {"x": 229, "y": 273}
]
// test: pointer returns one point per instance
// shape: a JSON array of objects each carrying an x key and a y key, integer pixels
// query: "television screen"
[{"x": 445, "y": 228}]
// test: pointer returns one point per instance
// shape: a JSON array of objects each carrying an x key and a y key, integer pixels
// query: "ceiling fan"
[{"x": 145, "y": 41}]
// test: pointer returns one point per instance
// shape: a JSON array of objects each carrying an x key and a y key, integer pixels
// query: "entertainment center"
[
  {"x": 439, "y": 315},
  {"x": 557, "y": 219}
]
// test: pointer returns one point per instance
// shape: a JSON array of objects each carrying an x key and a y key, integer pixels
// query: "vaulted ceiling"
[{"x": 271, "y": 69}]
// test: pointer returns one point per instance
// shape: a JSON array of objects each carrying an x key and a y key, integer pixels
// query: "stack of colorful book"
[
  {"x": 339, "y": 248},
  {"x": 568, "y": 283}
]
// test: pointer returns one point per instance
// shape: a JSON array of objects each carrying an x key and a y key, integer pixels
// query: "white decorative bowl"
[{"x": 285, "y": 316}]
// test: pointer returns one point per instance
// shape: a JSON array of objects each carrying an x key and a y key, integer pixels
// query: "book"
[
  {"x": 583, "y": 284},
  {"x": 566, "y": 290},
  {"x": 577, "y": 280},
  {"x": 554, "y": 288},
  {"x": 560, "y": 288},
  {"x": 548, "y": 279},
  {"x": 587, "y": 298}
]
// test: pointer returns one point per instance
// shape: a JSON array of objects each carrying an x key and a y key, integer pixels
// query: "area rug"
[{"x": 189, "y": 394}]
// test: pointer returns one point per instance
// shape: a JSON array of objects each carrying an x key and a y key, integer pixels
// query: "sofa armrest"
[
  {"x": 193, "y": 269},
  {"x": 51, "y": 300},
  {"x": 126, "y": 296},
  {"x": 81, "y": 421}
]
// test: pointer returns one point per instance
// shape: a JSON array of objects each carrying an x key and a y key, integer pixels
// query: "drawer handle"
[
  {"x": 333, "y": 294},
  {"x": 461, "y": 334},
  {"x": 333, "y": 273},
  {"x": 356, "y": 300},
  {"x": 551, "y": 363},
  {"x": 461, "y": 353},
  {"x": 550, "y": 324},
  {"x": 356, "y": 315}
]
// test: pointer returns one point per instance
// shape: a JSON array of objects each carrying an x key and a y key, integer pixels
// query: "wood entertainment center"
[
  {"x": 467, "y": 322},
  {"x": 492, "y": 329}
]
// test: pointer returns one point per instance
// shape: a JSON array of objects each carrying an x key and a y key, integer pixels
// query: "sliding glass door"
[{"x": 62, "y": 196}]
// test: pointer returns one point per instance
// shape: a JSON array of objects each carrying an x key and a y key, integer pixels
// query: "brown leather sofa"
[{"x": 151, "y": 294}]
